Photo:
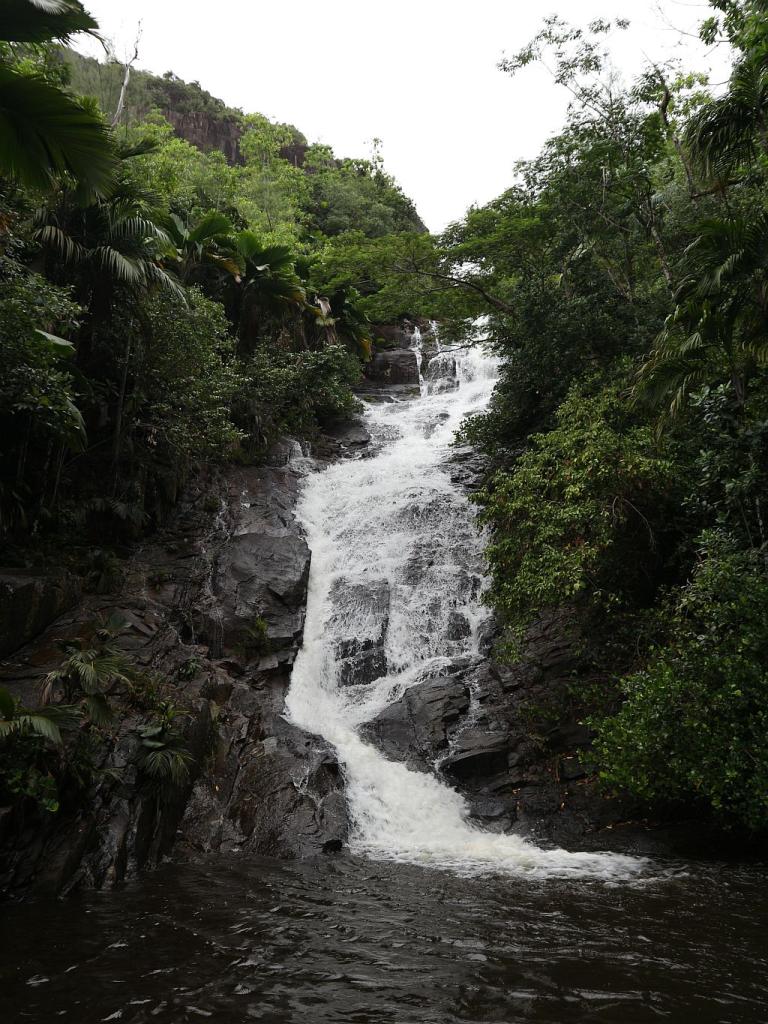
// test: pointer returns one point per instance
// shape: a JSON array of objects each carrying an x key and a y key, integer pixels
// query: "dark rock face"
[
  {"x": 30, "y": 601},
  {"x": 481, "y": 725},
  {"x": 257, "y": 784},
  {"x": 262, "y": 571},
  {"x": 208, "y": 133},
  {"x": 417, "y": 728},
  {"x": 394, "y": 335},
  {"x": 397, "y": 366}
]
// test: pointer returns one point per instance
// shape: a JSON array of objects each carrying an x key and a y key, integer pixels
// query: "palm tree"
[
  {"x": 88, "y": 673},
  {"x": 45, "y": 135},
  {"x": 163, "y": 753},
  {"x": 269, "y": 289},
  {"x": 108, "y": 246},
  {"x": 113, "y": 241},
  {"x": 46, "y": 723},
  {"x": 730, "y": 131},
  {"x": 205, "y": 252},
  {"x": 719, "y": 328},
  {"x": 339, "y": 317}
]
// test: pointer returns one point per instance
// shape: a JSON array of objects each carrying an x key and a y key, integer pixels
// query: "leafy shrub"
[
  {"x": 189, "y": 380},
  {"x": 576, "y": 519},
  {"x": 694, "y": 726},
  {"x": 255, "y": 640},
  {"x": 295, "y": 392},
  {"x": 163, "y": 754},
  {"x": 37, "y": 391}
]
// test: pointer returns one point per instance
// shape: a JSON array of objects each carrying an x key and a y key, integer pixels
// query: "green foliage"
[
  {"x": 29, "y": 742},
  {"x": 162, "y": 754},
  {"x": 576, "y": 519},
  {"x": 295, "y": 392},
  {"x": 694, "y": 726},
  {"x": 255, "y": 639},
  {"x": 45, "y": 135},
  {"x": 39, "y": 414},
  {"x": 189, "y": 669},
  {"x": 186, "y": 381},
  {"x": 92, "y": 668}
]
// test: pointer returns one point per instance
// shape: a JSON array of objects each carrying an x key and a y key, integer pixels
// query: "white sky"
[{"x": 419, "y": 74}]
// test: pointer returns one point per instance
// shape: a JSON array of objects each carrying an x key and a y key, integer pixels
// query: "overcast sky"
[{"x": 419, "y": 74}]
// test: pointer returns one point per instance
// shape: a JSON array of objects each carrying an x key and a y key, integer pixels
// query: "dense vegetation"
[
  {"x": 624, "y": 281},
  {"x": 163, "y": 305}
]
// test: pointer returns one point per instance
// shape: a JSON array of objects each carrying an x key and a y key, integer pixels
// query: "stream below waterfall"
[{"x": 427, "y": 919}]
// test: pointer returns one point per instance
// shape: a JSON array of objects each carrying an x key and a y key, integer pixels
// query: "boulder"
[
  {"x": 393, "y": 336},
  {"x": 396, "y": 366},
  {"x": 262, "y": 572},
  {"x": 417, "y": 728},
  {"x": 440, "y": 373},
  {"x": 476, "y": 754}
]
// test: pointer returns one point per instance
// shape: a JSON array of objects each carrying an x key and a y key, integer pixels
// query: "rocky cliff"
[{"x": 213, "y": 609}]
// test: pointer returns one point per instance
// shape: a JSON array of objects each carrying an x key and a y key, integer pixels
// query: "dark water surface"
[{"x": 355, "y": 941}]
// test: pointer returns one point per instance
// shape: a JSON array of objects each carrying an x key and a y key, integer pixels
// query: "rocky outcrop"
[
  {"x": 418, "y": 727},
  {"x": 440, "y": 373},
  {"x": 509, "y": 738},
  {"x": 29, "y": 601},
  {"x": 361, "y": 657},
  {"x": 389, "y": 336},
  {"x": 213, "y": 614},
  {"x": 394, "y": 366},
  {"x": 208, "y": 132}
]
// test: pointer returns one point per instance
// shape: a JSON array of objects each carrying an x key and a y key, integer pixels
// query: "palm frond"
[
  {"x": 45, "y": 135},
  {"x": 37, "y": 21},
  {"x": 52, "y": 237},
  {"x": 210, "y": 226}
]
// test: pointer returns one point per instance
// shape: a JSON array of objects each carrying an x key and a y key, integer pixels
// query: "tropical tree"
[
  {"x": 270, "y": 290},
  {"x": 45, "y": 722},
  {"x": 729, "y": 132},
  {"x": 45, "y": 135},
  {"x": 203, "y": 253},
  {"x": 114, "y": 241},
  {"x": 718, "y": 330}
]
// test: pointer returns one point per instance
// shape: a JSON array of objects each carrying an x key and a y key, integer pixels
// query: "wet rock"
[
  {"x": 397, "y": 366},
  {"x": 417, "y": 728},
  {"x": 467, "y": 468},
  {"x": 350, "y": 434},
  {"x": 262, "y": 572},
  {"x": 477, "y": 754},
  {"x": 458, "y": 626},
  {"x": 440, "y": 373},
  {"x": 392, "y": 335},
  {"x": 256, "y": 782}
]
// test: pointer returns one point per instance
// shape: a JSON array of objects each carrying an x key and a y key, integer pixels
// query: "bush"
[
  {"x": 578, "y": 517},
  {"x": 694, "y": 727},
  {"x": 38, "y": 414},
  {"x": 295, "y": 392},
  {"x": 190, "y": 379}
]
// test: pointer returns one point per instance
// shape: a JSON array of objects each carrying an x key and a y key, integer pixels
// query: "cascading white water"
[{"x": 396, "y": 555}]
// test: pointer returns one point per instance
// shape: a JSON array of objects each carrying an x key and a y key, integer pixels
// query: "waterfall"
[{"x": 395, "y": 553}]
